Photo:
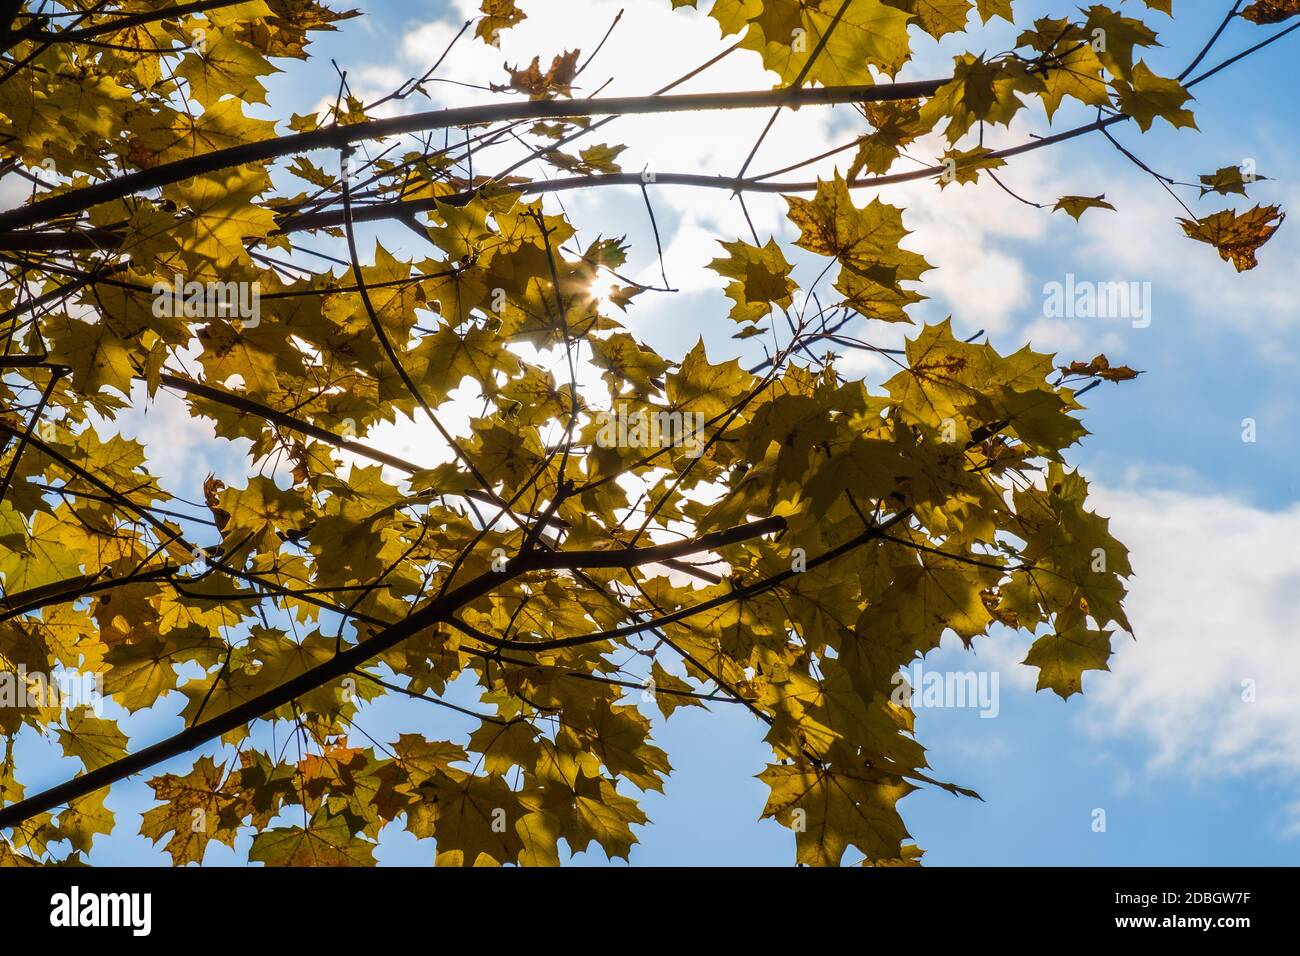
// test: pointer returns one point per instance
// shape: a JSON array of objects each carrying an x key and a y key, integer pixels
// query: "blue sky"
[{"x": 1186, "y": 772}]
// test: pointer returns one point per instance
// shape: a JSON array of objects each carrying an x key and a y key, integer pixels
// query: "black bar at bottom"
[{"x": 908, "y": 905}]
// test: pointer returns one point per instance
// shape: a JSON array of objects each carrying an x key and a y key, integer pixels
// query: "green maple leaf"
[
  {"x": 760, "y": 279},
  {"x": 1228, "y": 180},
  {"x": 937, "y": 17},
  {"x": 1063, "y": 657},
  {"x": 83, "y": 819},
  {"x": 94, "y": 741},
  {"x": 1076, "y": 206},
  {"x": 226, "y": 67},
  {"x": 866, "y": 241},
  {"x": 1149, "y": 96},
  {"x": 98, "y": 358},
  {"x": 324, "y": 842},
  {"x": 831, "y": 810}
]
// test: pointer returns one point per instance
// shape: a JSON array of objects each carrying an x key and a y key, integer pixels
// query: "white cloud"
[
  {"x": 1212, "y": 602},
  {"x": 1213, "y": 606},
  {"x": 982, "y": 288}
]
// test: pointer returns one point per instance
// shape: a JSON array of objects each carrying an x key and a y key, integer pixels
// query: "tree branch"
[
  {"x": 339, "y": 137},
  {"x": 131, "y": 20},
  {"x": 340, "y": 665},
  {"x": 402, "y": 209}
]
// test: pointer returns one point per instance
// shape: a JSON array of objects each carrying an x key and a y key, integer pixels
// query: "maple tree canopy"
[{"x": 537, "y": 588}]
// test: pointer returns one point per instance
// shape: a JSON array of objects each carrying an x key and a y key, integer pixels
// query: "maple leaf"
[
  {"x": 143, "y": 670},
  {"x": 1100, "y": 367},
  {"x": 779, "y": 19},
  {"x": 670, "y": 691},
  {"x": 979, "y": 91},
  {"x": 1063, "y": 657},
  {"x": 594, "y": 159},
  {"x": 896, "y": 125},
  {"x": 555, "y": 81},
  {"x": 1271, "y": 11},
  {"x": 471, "y": 817},
  {"x": 1122, "y": 36},
  {"x": 96, "y": 355},
  {"x": 963, "y": 166},
  {"x": 593, "y": 811},
  {"x": 760, "y": 279},
  {"x": 700, "y": 386},
  {"x": 196, "y": 809},
  {"x": 94, "y": 741},
  {"x": 1076, "y": 206},
  {"x": 226, "y": 67},
  {"x": 937, "y": 17},
  {"x": 1149, "y": 96},
  {"x": 1237, "y": 237},
  {"x": 831, "y": 810},
  {"x": 83, "y": 819},
  {"x": 868, "y": 35},
  {"x": 866, "y": 241},
  {"x": 1075, "y": 72},
  {"x": 1228, "y": 180},
  {"x": 988, "y": 9},
  {"x": 324, "y": 842},
  {"x": 222, "y": 214},
  {"x": 498, "y": 15}
]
